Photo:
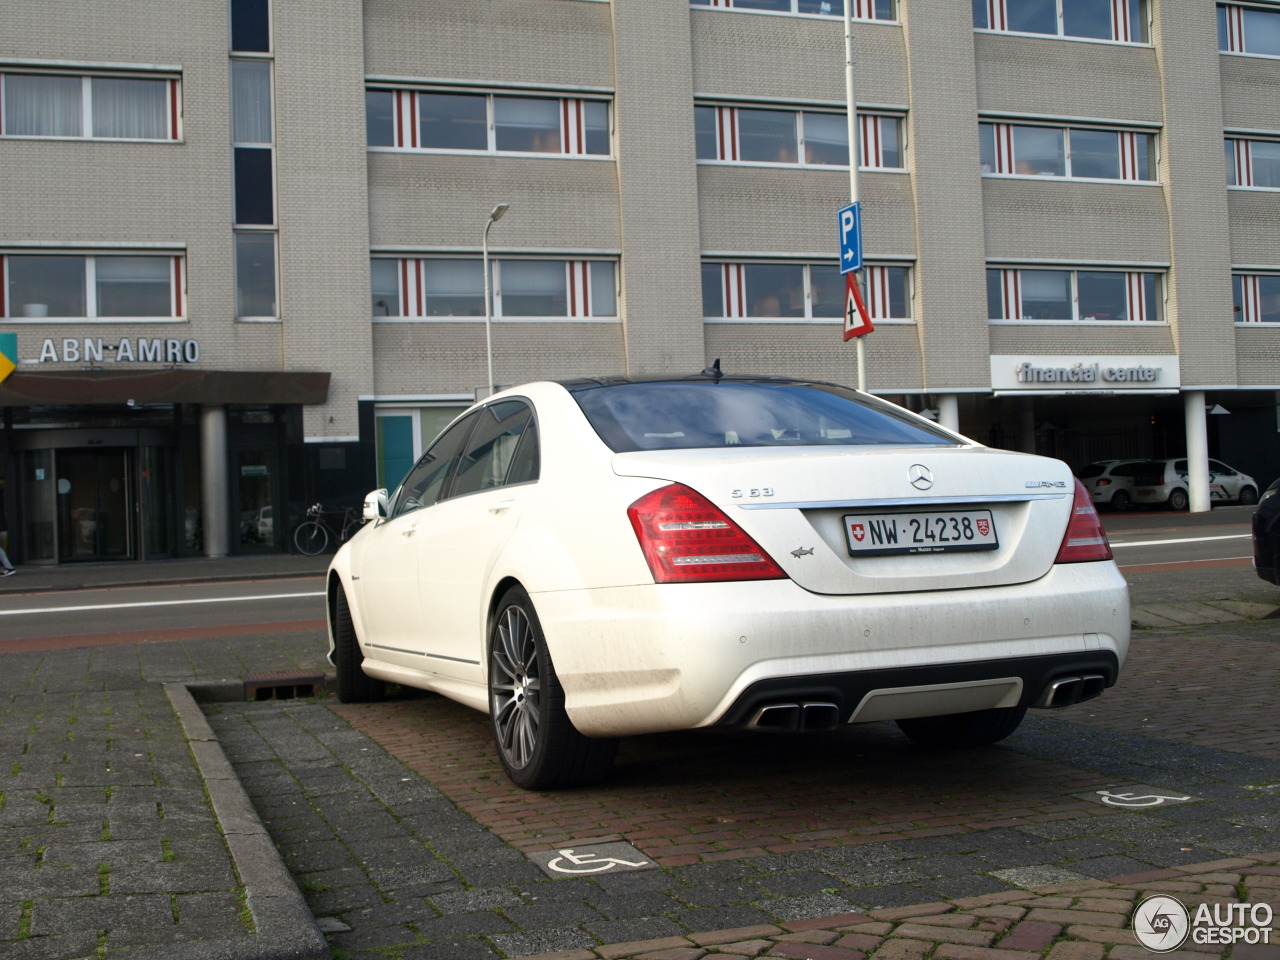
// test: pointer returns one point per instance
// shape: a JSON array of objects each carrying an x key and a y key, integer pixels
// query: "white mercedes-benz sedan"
[{"x": 596, "y": 558}]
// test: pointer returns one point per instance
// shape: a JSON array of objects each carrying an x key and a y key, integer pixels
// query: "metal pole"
[
  {"x": 852, "y": 110},
  {"x": 494, "y": 217},
  {"x": 488, "y": 310}
]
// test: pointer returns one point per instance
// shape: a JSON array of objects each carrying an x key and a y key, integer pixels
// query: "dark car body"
[{"x": 1266, "y": 535}]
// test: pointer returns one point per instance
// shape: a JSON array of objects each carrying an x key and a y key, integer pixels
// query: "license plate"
[{"x": 873, "y": 534}]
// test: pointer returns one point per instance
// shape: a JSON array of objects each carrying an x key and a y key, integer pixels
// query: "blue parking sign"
[{"x": 850, "y": 223}]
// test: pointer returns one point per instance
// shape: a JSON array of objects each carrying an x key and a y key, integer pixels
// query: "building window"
[
  {"x": 1120, "y": 21},
  {"x": 1079, "y": 153},
  {"x": 453, "y": 288},
  {"x": 798, "y": 292},
  {"x": 252, "y": 137},
  {"x": 96, "y": 107},
  {"x": 91, "y": 287},
  {"x": 803, "y": 137},
  {"x": 1253, "y": 163},
  {"x": 1249, "y": 30},
  {"x": 251, "y": 26},
  {"x": 256, "y": 276},
  {"x": 486, "y": 123},
  {"x": 1100, "y": 296},
  {"x": 1256, "y": 298},
  {"x": 862, "y": 9}
]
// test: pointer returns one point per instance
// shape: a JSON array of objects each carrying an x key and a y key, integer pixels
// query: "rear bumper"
[{"x": 644, "y": 659}]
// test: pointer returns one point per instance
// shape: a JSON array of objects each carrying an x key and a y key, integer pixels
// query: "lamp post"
[{"x": 494, "y": 216}]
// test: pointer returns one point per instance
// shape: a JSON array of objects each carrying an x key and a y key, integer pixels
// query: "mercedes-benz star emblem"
[{"x": 920, "y": 476}]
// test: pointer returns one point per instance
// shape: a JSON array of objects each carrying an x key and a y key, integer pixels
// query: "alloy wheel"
[{"x": 515, "y": 687}]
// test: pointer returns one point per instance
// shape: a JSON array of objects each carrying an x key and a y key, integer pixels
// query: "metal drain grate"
[{"x": 282, "y": 686}]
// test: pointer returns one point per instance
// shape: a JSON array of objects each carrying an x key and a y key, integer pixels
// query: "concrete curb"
[{"x": 285, "y": 927}]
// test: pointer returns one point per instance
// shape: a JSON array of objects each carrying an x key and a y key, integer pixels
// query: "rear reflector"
[
  {"x": 688, "y": 539},
  {"x": 1085, "y": 539}
]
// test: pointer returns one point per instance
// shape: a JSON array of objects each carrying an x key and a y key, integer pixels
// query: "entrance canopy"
[{"x": 22, "y": 389}]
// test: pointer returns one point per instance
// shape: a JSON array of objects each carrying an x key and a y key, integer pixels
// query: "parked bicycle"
[{"x": 312, "y": 535}]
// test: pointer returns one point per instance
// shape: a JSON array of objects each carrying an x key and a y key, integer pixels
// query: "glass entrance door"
[
  {"x": 95, "y": 505},
  {"x": 255, "y": 495}
]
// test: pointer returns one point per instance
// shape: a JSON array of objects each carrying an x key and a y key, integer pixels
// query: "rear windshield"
[{"x": 678, "y": 415}]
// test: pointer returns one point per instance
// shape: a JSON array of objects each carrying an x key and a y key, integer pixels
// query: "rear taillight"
[
  {"x": 1104, "y": 482},
  {"x": 1085, "y": 539},
  {"x": 687, "y": 539}
]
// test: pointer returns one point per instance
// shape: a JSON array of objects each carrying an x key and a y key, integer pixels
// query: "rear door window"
[{"x": 491, "y": 448}]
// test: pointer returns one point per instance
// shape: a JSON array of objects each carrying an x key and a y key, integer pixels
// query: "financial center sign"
[{"x": 1084, "y": 374}]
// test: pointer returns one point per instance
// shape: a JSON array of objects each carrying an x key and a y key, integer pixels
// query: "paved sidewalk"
[
  {"x": 148, "y": 811},
  {"x": 1065, "y": 921}
]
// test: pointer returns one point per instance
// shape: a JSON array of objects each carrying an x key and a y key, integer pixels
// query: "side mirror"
[{"x": 375, "y": 505}]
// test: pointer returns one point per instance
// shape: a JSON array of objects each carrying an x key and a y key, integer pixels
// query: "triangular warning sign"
[{"x": 857, "y": 321}]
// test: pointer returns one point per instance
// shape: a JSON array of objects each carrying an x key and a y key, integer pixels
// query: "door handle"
[
  {"x": 410, "y": 531},
  {"x": 502, "y": 506}
]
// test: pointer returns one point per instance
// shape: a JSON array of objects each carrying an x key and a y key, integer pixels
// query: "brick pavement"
[
  {"x": 691, "y": 797},
  {"x": 1069, "y": 921},
  {"x": 1203, "y": 686},
  {"x": 761, "y": 834}
]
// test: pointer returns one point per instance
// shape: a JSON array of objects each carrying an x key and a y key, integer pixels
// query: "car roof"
[{"x": 707, "y": 376}]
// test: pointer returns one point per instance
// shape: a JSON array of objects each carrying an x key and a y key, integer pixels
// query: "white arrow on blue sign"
[{"x": 850, "y": 220}]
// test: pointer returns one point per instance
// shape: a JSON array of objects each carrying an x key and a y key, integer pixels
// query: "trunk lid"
[{"x": 850, "y": 520}]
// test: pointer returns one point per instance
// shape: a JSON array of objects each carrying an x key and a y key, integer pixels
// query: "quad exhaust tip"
[
  {"x": 796, "y": 717},
  {"x": 1067, "y": 691}
]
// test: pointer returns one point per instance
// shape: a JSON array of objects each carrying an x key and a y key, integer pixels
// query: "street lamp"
[{"x": 494, "y": 216}]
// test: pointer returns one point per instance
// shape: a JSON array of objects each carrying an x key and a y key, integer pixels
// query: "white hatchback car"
[
  {"x": 1165, "y": 482},
  {"x": 596, "y": 558}
]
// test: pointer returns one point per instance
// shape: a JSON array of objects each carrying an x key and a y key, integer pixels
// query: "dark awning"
[{"x": 22, "y": 389}]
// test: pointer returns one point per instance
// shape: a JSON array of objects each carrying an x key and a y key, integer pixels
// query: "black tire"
[
  {"x": 1178, "y": 500},
  {"x": 1120, "y": 501},
  {"x": 1248, "y": 496},
  {"x": 311, "y": 538},
  {"x": 537, "y": 743},
  {"x": 354, "y": 685},
  {"x": 960, "y": 730}
]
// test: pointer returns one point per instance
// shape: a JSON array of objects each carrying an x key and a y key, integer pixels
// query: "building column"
[
  {"x": 213, "y": 480},
  {"x": 1197, "y": 450},
  {"x": 949, "y": 411},
  {"x": 1027, "y": 424}
]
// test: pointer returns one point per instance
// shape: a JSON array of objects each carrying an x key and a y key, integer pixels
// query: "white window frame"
[
  {"x": 997, "y": 18},
  {"x": 1251, "y": 300},
  {"x": 1241, "y": 164},
  {"x": 875, "y": 285},
  {"x": 862, "y": 10},
  {"x": 578, "y": 288},
  {"x": 1135, "y": 307},
  {"x": 1236, "y": 40},
  {"x": 173, "y": 103},
  {"x": 177, "y": 287},
  {"x": 406, "y": 120},
  {"x": 870, "y": 138},
  {"x": 1006, "y": 159}
]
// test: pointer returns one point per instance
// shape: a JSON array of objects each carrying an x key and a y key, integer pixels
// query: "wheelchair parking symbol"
[
  {"x": 597, "y": 859},
  {"x": 1137, "y": 797}
]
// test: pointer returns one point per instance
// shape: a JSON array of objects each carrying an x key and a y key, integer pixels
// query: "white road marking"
[
  {"x": 157, "y": 603},
  {"x": 1160, "y": 543}
]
